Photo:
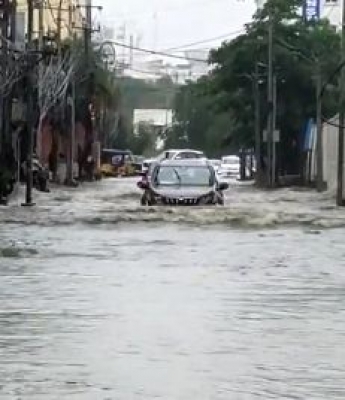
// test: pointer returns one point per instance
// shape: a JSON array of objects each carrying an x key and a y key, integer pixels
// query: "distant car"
[
  {"x": 230, "y": 167},
  {"x": 182, "y": 182},
  {"x": 173, "y": 154}
]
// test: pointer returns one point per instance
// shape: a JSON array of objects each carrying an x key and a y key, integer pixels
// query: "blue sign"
[
  {"x": 309, "y": 135},
  {"x": 311, "y": 10}
]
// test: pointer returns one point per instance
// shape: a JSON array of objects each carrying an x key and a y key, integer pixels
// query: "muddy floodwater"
[{"x": 103, "y": 299}]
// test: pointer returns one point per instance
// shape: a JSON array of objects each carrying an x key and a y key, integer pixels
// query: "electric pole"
[
  {"x": 5, "y": 9},
  {"x": 29, "y": 109},
  {"x": 340, "y": 177},
  {"x": 72, "y": 99},
  {"x": 319, "y": 133},
  {"x": 274, "y": 117},
  {"x": 257, "y": 124},
  {"x": 270, "y": 95}
]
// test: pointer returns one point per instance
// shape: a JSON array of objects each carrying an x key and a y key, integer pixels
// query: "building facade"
[
  {"x": 59, "y": 16},
  {"x": 332, "y": 10}
]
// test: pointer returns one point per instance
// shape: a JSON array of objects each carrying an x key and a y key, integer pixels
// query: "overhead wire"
[
  {"x": 209, "y": 40},
  {"x": 159, "y": 53}
]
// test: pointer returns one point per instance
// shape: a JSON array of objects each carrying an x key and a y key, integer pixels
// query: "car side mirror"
[{"x": 223, "y": 186}]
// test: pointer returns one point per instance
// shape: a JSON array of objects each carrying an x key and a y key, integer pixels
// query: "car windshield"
[{"x": 183, "y": 176}]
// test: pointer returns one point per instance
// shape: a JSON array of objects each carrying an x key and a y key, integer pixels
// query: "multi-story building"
[
  {"x": 63, "y": 16},
  {"x": 332, "y": 10}
]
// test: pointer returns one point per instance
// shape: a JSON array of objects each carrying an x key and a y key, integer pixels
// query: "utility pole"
[
  {"x": 340, "y": 200},
  {"x": 72, "y": 99},
  {"x": 270, "y": 95},
  {"x": 40, "y": 75},
  {"x": 274, "y": 117},
  {"x": 319, "y": 134},
  {"x": 257, "y": 124},
  {"x": 29, "y": 109},
  {"x": 5, "y": 9},
  {"x": 59, "y": 21}
]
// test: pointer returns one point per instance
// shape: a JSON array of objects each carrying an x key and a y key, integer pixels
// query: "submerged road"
[{"x": 103, "y": 299}]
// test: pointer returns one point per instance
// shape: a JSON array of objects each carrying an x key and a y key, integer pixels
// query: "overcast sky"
[{"x": 170, "y": 23}]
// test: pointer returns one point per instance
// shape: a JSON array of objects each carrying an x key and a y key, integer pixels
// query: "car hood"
[{"x": 185, "y": 192}]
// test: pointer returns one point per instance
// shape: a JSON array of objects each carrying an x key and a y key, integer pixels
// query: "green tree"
[{"x": 222, "y": 103}]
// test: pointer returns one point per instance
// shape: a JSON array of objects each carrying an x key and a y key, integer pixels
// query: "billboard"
[{"x": 311, "y": 10}]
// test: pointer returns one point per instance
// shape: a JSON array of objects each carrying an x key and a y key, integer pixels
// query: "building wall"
[
  {"x": 330, "y": 155},
  {"x": 332, "y": 10},
  {"x": 51, "y": 15}
]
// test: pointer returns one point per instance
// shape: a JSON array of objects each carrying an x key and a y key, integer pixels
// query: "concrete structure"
[
  {"x": 330, "y": 155},
  {"x": 157, "y": 119},
  {"x": 332, "y": 10}
]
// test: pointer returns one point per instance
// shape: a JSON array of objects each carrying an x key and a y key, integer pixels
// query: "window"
[{"x": 183, "y": 176}]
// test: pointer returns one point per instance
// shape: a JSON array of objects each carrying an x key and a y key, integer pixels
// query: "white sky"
[{"x": 170, "y": 23}]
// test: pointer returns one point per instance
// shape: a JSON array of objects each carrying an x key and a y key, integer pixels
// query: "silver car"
[{"x": 182, "y": 182}]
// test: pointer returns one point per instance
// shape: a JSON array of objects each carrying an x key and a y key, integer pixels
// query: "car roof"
[
  {"x": 191, "y": 162},
  {"x": 231, "y": 156},
  {"x": 184, "y": 150}
]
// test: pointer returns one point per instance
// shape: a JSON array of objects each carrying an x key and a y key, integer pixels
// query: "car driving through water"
[{"x": 182, "y": 182}]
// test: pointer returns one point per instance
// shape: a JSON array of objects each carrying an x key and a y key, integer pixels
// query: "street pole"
[
  {"x": 319, "y": 134},
  {"x": 70, "y": 176},
  {"x": 29, "y": 110},
  {"x": 59, "y": 21},
  {"x": 274, "y": 117},
  {"x": 258, "y": 176},
  {"x": 270, "y": 127},
  {"x": 340, "y": 200},
  {"x": 5, "y": 10},
  {"x": 40, "y": 76}
]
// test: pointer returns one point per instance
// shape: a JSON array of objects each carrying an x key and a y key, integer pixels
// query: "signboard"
[
  {"x": 276, "y": 136},
  {"x": 311, "y": 10},
  {"x": 309, "y": 136}
]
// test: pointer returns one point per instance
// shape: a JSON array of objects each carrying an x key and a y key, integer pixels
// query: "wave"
[
  {"x": 239, "y": 218},
  {"x": 17, "y": 252}
]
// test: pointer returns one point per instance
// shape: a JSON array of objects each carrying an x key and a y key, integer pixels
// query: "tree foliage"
[{"x": 218, "y": 111}]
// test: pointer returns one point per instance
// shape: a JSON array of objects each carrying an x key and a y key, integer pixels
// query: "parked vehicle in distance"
[
  {"x": 182, "y": 182},
  {"x": 173, "y": 154},
  {"x": 215, "y": 164},
  {"x": 230, "y": 167},
  {"x": 118, "y": 163}
]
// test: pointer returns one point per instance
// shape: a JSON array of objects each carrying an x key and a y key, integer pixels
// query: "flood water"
[{"x": 102, "y": 299}]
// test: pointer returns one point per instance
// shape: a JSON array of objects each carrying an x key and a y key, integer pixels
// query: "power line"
[
  {"x": 158, "y": 53},
  {"x": 224, "y": 36}
]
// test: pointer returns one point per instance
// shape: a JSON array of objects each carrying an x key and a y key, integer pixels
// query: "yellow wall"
[{"x": 51, "y": 17}]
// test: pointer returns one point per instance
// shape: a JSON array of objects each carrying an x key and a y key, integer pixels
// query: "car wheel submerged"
[
  {"x": 146, "y": 200},
  {"x": 220, "y": 200},
  {"x": 143, "y": 201}
]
